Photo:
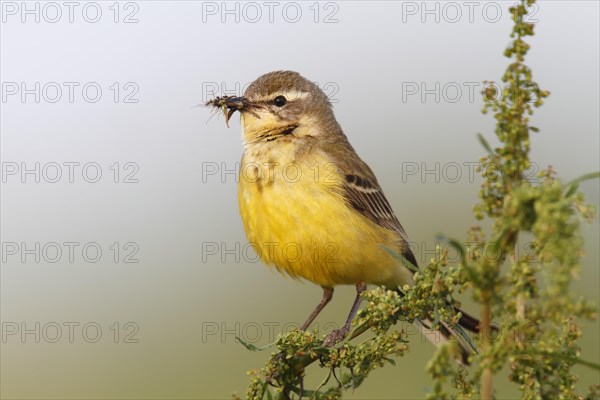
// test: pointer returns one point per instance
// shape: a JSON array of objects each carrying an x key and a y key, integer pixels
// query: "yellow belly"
[{"x": 296, "y": 218}]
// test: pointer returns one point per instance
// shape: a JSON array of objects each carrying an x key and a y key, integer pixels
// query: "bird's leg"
[
  {"x": 339, "y": 334},
  {"x": 360, "y": 288},
  {"x": 327, "y": 295}
]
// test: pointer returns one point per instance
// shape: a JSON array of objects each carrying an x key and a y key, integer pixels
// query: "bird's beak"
[
  {"x": 235, "y": 103},
  {"x": 230, "y": 105}
]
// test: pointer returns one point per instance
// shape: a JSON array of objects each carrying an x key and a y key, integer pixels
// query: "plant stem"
[
  {"x": 520, "y": 307},
  {"x": 487, "y": 375}
]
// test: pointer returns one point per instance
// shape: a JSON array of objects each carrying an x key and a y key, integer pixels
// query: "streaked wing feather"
[{"x": 367, "y": 197}]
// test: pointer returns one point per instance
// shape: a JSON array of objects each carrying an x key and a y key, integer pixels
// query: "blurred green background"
[{"x": 196, "y": 284}]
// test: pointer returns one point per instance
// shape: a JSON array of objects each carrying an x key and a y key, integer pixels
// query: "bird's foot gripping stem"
[
  {"x": 336, "y": 336},
  {"x": 339, "y": 334}
]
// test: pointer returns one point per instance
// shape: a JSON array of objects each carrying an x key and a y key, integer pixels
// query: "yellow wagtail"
[{"x": 310, "y": 206}]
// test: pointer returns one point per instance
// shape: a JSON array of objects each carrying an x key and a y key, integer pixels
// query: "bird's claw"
[{"x": 336, "y": 336}]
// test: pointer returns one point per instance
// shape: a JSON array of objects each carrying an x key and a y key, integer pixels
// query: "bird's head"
[{"x": 281, "y": 104}]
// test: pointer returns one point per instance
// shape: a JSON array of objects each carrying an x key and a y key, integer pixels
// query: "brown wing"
[
  {"x": 360, "y": 188},
  {"x": 367, "y": 197}
]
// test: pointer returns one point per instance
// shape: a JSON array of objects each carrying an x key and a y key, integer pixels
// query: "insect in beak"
[{"x": 228, "y": 105}]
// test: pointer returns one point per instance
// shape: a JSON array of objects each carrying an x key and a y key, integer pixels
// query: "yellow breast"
[{"x": 297, "y": 219}]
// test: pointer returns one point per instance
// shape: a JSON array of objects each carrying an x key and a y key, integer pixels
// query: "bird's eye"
[{"x": 280, "y": 101}]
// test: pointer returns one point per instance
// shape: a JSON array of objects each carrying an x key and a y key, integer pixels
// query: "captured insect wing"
[
  {"x": 226, "y": 113},
  {"x": 221, "y": 102},
  {"x": 230, "y": 113}
]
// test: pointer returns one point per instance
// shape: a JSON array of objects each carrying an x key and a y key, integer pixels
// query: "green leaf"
[
  {"x": 563, "y": 357},
  {"x": 574, "y": 184},
  {"x": 453, "y": 243},
  {"x": 252, "y": 347},
  {"x": 390, "y": 360},
  {"x": 485, "y": 143},
  {"x": 400, "y": 257},
  {"x": 462, "y": 253}
]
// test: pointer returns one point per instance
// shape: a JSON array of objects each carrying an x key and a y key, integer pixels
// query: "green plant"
[{"x": 527, "y": 296}]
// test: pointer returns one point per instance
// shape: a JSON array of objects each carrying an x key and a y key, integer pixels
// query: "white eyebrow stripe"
[{"x": 290, "y": 95}]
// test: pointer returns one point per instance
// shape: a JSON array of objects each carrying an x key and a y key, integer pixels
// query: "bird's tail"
[
  {"x": 458, "y": 333},
  {"x": 445, "y": 332}
]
